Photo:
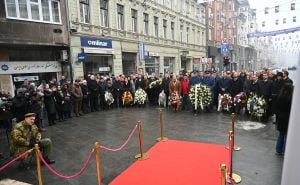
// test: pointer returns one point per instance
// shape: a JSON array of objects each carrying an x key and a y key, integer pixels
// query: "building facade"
[
  {"x": 278, "y": 27},
  {"x": 222, "y": 30},
  {"x": 33, "y": 41},
  {"x": 246, "y": 24},
  {"x": 136, "y": 36}
]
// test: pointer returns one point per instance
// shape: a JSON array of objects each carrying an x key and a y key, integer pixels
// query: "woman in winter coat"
[
  {"x": 49, "y": 102},
  {"x": 283, "y": 108}
]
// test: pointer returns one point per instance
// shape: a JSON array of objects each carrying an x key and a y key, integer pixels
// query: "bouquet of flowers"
[
  {"x": 155, "y": 84},
  {"x": 200, "y": 96},
  {"x": 256, "y": 106},
  {"x": 127, "y": 98},
  {"x": 240, "y": 99},
  {"x": 225, "y": 102},
  {"x": 140, "y": 96}
]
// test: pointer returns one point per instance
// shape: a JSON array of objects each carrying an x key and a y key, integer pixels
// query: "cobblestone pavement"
[{"x": 256, "y": 163}]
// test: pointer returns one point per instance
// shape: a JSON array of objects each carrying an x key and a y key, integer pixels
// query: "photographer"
[
  {"x": 20, "y": 103},
  {"x": 25, "y": 135}
]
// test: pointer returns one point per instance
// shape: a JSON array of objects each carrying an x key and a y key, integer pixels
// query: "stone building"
[
  {"x": 33, "y": 41},
  {"x": 136, "y": 36}
]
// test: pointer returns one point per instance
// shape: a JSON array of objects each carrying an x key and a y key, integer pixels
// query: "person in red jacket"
[{"x": 185, "y": 89}]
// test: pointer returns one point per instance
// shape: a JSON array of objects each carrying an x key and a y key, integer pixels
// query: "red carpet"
[{"x": 177, "y": 162}]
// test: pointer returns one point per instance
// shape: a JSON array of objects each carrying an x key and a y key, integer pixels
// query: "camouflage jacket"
[{"x": 21, "y": 135}]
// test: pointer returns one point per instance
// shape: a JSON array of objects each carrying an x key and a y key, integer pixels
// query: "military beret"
[{"x": 30, "y": 115}]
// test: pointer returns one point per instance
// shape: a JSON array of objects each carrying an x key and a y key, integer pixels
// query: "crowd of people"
[{"x": 59, "y": 100}]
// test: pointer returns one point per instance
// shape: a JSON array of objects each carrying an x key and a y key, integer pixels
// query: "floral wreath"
[
  {"x": 155, "y": 84},
  {"x": 140, "y": 96},
  {"x": 256, "y": 106},
  {"x": 109, "y": 99},
  {"x": 200, "y": 96},
  {"x": 240, "y": 99},
  {"x": 225, "y": 102}
]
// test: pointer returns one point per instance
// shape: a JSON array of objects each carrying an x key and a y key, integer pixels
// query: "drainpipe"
[{"x": 69, "y": 40}]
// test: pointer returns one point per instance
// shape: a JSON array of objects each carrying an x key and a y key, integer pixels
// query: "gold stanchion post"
[
  {"x": 97, "y": 155},
  {"x": 141, "y": 155},
  {"x": 223, "y": 174},
  {"x": 233, "y": 176},
  {"x": 235, "y": 148},
  {"x": 38, "y": 164},
  {"x": 161, "y": 138}
]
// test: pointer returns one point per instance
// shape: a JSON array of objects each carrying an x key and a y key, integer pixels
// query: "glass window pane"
[
  {"x": 11, "y": 8},
  {"x": 55, "y": 11},
  {"x": 86, "y": 14},
  {"x": 35, "y": 11},
  {"x": 45, "y": 10},
  {"x": 23, "y": 9}
]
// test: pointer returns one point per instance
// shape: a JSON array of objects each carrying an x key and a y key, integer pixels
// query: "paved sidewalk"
[{"x": 256, "y": 163}]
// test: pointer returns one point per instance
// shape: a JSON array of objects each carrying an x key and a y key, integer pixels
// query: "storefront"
[
  {"x": 96, "y": 56},
  {"x": 13, "y": 74},
  {"x": 152, "y": 63},
  {"x": 169, "y": 63},
  {"x": 129, "y": 63}
]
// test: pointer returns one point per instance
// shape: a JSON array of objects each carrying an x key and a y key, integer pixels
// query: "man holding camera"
[{"x": 26, "y": 134}]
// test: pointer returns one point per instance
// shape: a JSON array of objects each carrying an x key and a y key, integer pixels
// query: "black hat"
[
  {"x": 30, "y": 115},
  {"x": 280, "y": 74}
]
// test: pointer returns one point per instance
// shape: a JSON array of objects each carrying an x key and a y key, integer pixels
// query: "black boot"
[{"x": 49, "y": 161}]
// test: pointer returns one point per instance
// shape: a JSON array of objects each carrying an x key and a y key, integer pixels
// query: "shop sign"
[
  {"x": 96, "y": 43},
  {"x": 29, "y": 67},
  {"x": 152, "y": 54},
  {"x": 104, "y": 69},
  {"x": 22, "y": 78}
]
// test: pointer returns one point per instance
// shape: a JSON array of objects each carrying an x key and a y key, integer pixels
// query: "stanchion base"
[
  {"x": 237, "y": 179},
  {"x": 162, "y": 139},
  {"x": 235, "y": 148},
  {"x": 145, "y": 156}
]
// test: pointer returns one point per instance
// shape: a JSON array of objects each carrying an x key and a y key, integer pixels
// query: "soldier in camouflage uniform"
[{"x": 26, "y": 134}]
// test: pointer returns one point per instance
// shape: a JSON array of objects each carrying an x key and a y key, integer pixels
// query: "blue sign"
[
  {"x": 273, "y": 33},
  {"x": 142, "y": 51},
  {"x": 225, "y": 48},
  {"x": 96, "y": 43},
  {"x": 81, "y": 57}
]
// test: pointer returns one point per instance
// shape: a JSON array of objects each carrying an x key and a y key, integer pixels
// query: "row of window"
[
  {"x": 277, "y": 8},
  {"x": 283, "y": 38},
  {"x": 277, "y": 21},
  {"x": 34, "y": 10},
  {"x": 84, "y": 15}
]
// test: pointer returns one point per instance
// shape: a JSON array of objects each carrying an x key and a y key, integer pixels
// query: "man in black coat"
[
  {"x": 283, "y": 106},
  {"x": 165, "y": 86},
  {"x": 264, "y": 89},
  {"x": 235, "y": 85},
  {"x": 286, "y": 78},
  {"x": 94, "y": 90}
]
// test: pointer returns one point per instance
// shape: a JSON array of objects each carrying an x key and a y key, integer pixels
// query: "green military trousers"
[{"x": 46, "y": 146}]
